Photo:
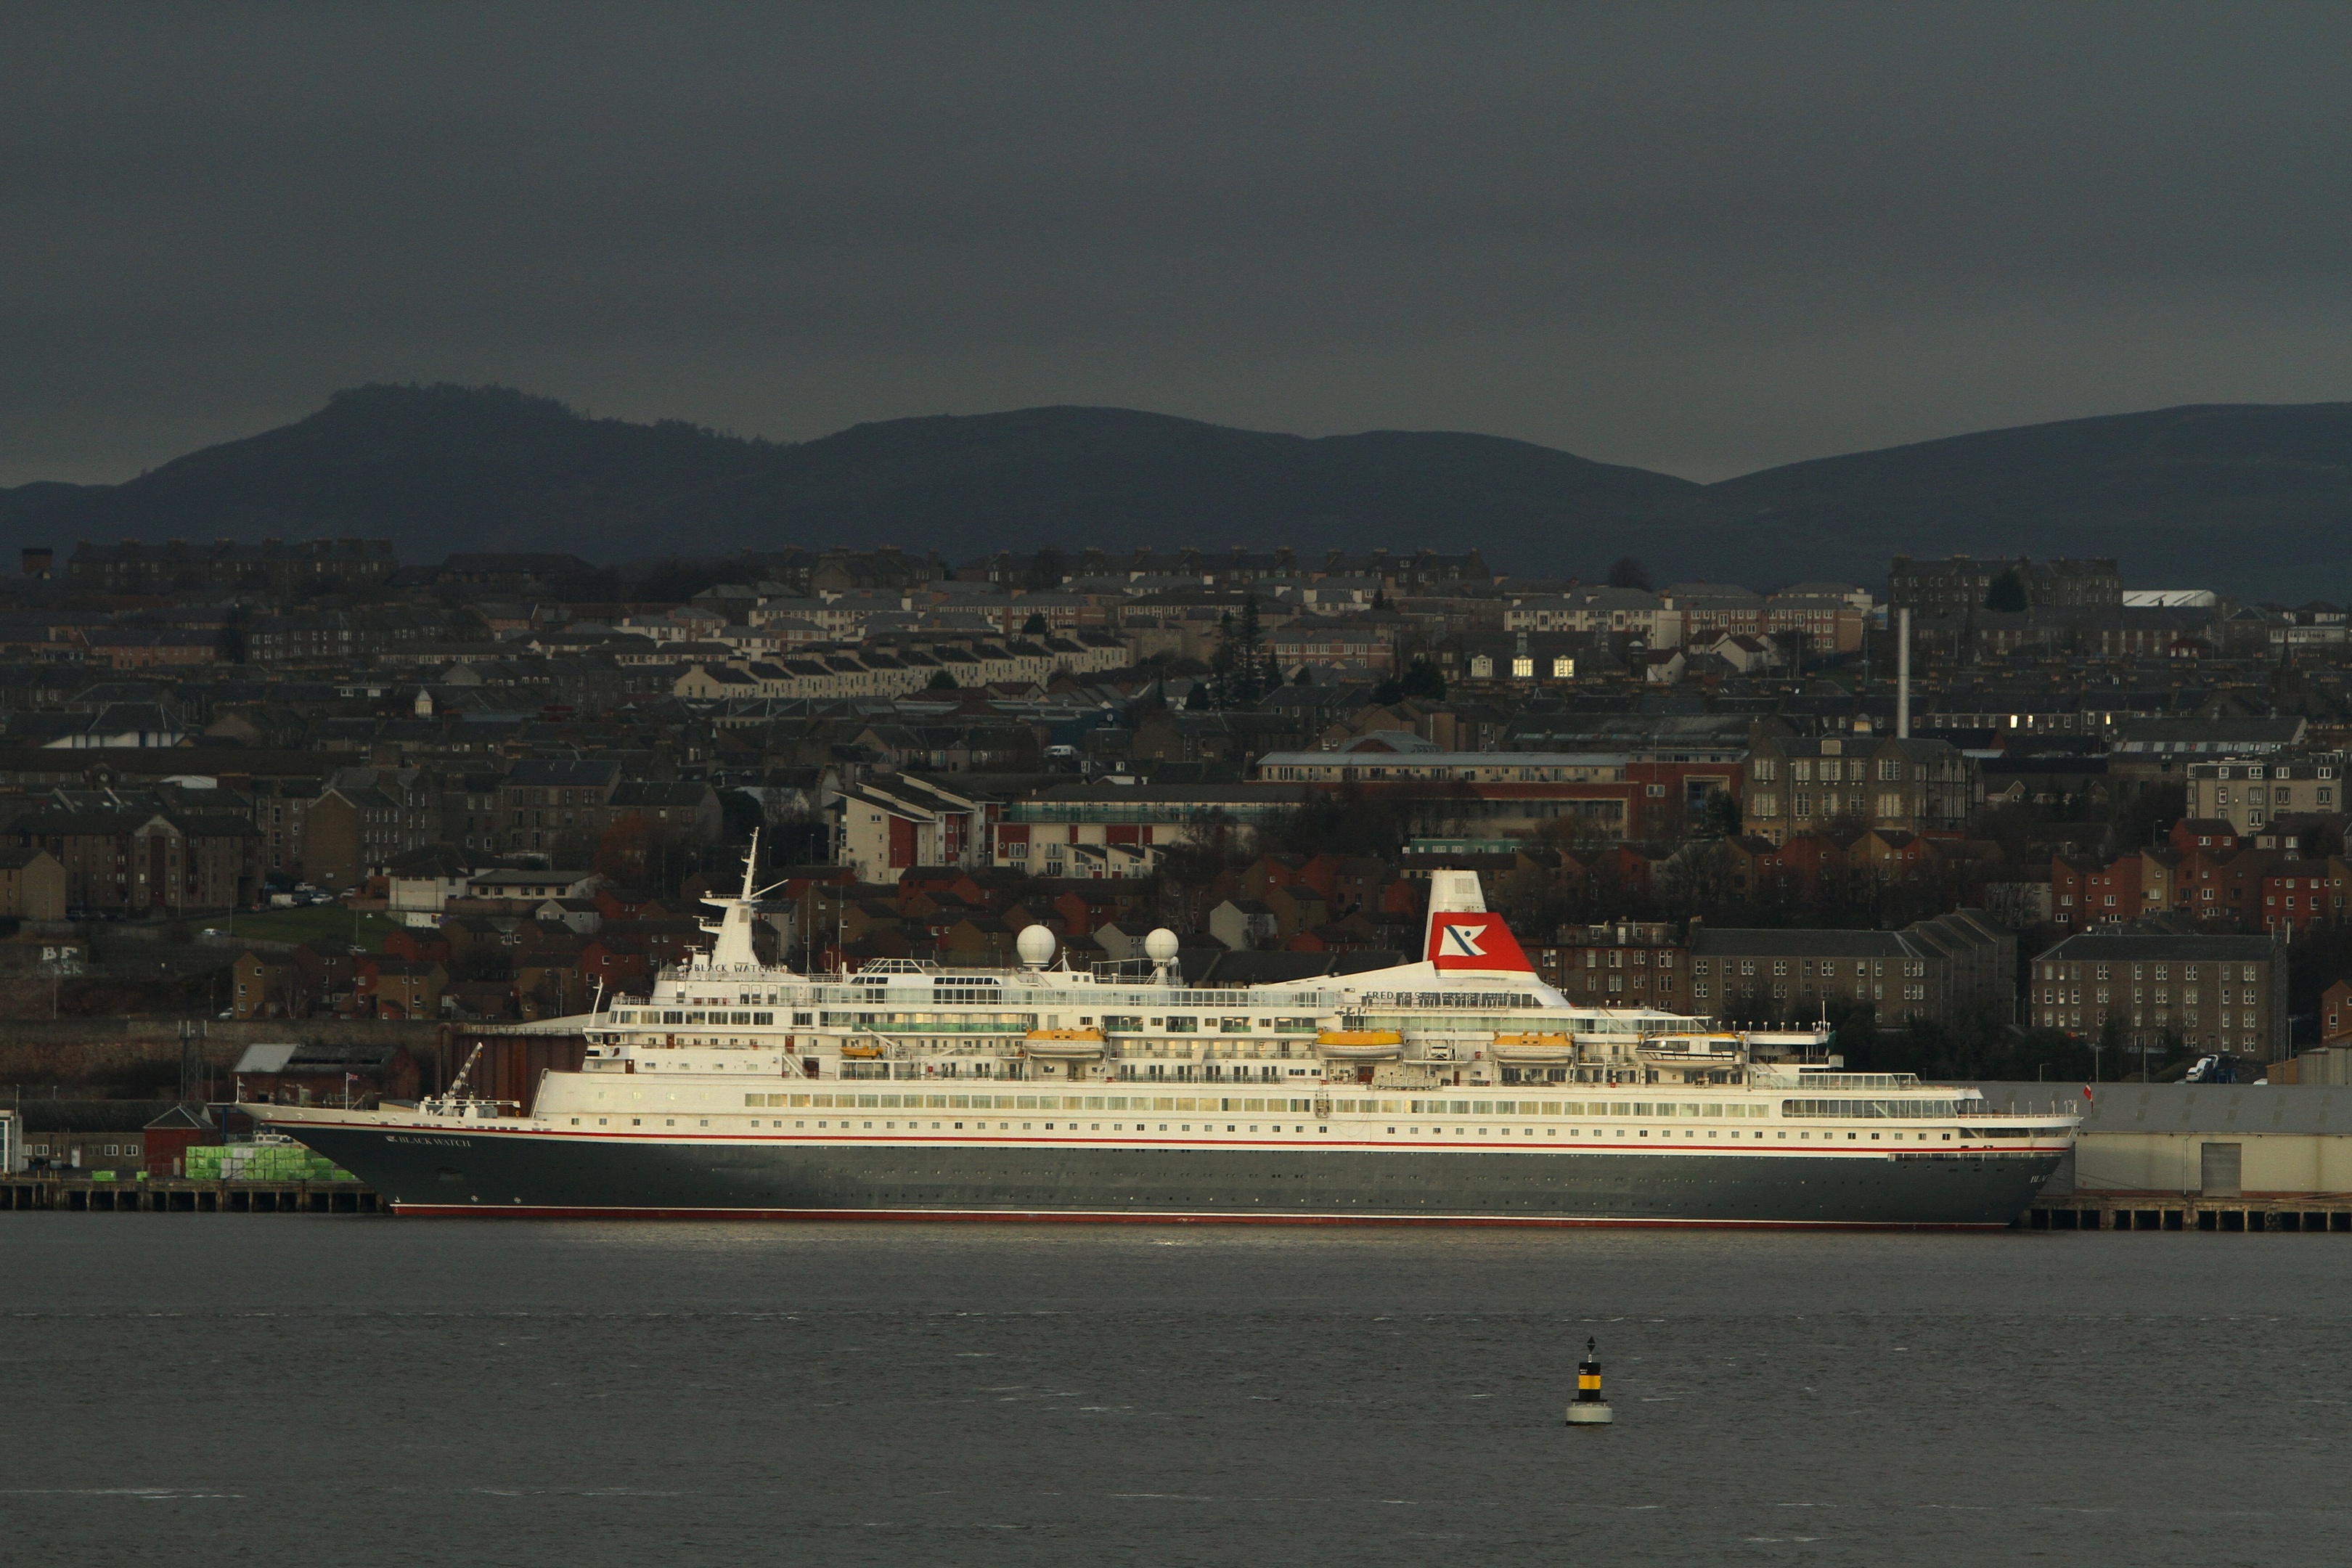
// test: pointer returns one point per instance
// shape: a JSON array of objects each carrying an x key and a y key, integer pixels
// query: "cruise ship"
[{"x": 1457, "y": 1089}]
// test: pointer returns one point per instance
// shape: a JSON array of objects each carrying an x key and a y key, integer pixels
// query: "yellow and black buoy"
[{"x": 1589, "y": 1409}]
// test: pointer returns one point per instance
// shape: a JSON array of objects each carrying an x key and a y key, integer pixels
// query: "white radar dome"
[
  {"x": 1161, "y": 946},
  {"x": 1035, "y": 945}
]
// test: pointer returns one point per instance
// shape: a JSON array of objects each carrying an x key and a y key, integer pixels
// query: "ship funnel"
[{"x": 1461, "y": 934}]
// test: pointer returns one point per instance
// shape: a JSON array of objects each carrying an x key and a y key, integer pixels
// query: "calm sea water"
[{"x": 271, "y": 1390}]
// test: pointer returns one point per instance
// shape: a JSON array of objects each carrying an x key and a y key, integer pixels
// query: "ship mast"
[{"x": 733, "y": 948}]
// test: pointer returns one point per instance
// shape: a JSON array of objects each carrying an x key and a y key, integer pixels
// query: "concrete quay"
[
  {"x": 178, "y": 1195},
  {"x": 2188, "y": 1212}
]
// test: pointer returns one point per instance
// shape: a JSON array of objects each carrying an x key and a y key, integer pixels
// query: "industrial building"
[{"x": 2214, "y": 1141}]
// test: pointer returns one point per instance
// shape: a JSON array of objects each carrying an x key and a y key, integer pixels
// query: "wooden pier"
[
  {"x": 2188, "y": 1211},
  {"x": 79, "y": 1195}
]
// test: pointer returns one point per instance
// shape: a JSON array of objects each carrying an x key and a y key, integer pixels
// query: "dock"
[
  {"x": 2189, "y": 1212},
  {"x": 79, "y": 1195}
]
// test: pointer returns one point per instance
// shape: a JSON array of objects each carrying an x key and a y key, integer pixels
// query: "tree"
[
  {"x": 1420, "y": 680},
  {"x": 621, "y": 852},
  {"x": 1046, "y": 569},
  {"x": 1034, "y": 626},
  {"x": 941, "y": 682},
  {"x": 1721, "y": 819},
  {"x": 1250, "y": 656},
  {"x": 1221, "y": 669},
  {"x": 1197, "y": 699},
  {"x": 2007, "y": 592},
  {"x": 571, "y": 847},
  {"x": 230, "y": 646},
  {"x": 2109, "y": 1058},
  {"x": 1629, "y": 573},
  {"x": 742, "y": 815}
]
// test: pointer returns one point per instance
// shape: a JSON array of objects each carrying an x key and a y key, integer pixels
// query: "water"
[{"x": 325, "y": 1390}]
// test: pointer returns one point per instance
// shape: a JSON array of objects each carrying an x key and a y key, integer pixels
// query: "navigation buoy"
[{"x": 1589, "y": 1409}]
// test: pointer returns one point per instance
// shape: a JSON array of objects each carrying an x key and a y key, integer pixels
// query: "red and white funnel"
[{"x": 1463, "y": 937}]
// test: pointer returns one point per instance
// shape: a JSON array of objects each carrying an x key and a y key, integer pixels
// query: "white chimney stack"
[{"x": 1902, "y": 674}]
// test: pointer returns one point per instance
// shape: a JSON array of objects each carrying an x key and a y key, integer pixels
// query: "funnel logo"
[
  {"x": 1479, "y": 941},
  {"x": 1464, "y": 942}
]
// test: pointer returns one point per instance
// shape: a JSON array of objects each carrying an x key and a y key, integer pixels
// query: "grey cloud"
[{"x": 1699, "y": 238}]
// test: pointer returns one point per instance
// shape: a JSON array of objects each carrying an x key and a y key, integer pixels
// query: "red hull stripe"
[{"x": 1111, "y": 1216}]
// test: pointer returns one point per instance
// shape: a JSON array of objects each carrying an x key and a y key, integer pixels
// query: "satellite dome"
[
  {"x": 1035, "y": 945},
  {"x": 1161, "y": 946}
]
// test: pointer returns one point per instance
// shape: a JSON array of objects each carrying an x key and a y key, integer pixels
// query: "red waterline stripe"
[{"x": 1051, "y": 1217}]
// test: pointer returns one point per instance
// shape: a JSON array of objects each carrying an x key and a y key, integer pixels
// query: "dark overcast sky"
[{"x": 1699, "y": 238}]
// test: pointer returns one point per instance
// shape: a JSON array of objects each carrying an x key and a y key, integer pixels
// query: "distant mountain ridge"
[{"x": 2248, "y": 498}]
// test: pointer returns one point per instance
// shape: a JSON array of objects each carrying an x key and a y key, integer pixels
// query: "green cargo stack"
[{"x": 261, "y": 1162}]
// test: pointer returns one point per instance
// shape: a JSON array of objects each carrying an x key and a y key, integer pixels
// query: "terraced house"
[
  {"x": 2252, "y": 796},
  {"x": 130, "y": 860},
  {"x": 1956, "y": 970},
  {"x": 1798, "y": 783},
  {"x": 2158, "y": 989}
]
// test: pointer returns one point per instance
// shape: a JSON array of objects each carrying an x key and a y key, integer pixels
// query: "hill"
[
  {"x": 2245, "y": 497},
  {"x": 2250, "y": 497},
  {"x": 435, "y": 469},
  {"x": 442, "y": 468},
  {"x": 1074, "y": 476}
]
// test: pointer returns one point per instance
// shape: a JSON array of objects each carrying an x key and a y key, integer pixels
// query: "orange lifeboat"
[
  {"x": 1064, "y": 1045},
  {"x": 1541, "y": 1049},
  {"x": 1359, "y": 1044}
]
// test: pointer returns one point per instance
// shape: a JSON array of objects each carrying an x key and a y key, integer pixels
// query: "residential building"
[
  {"x": 2249, "y": 795},
  {"x": 1110, "y": 825},
  {"x": 541, "y": 799},
  {"x": 886, "y": 824},
  {"x": 282, "y": 568},
  {"x": 1958, "y": 585},
  {"x": 1626, "y": 963},
  {"x": 1796, "y": 783},
  {"x": 2208, "y": 993},
  {"x": 131, "y": 859},
  {"x": 401, "y": 988},
  {"x": 1957, "y": 970},
  {"x": 32, "y": 884}
]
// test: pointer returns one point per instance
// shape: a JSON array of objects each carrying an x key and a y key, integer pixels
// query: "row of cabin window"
[
  {"x": 1024, "y": 1102},
  {"x": 1827, "y": 1134}
]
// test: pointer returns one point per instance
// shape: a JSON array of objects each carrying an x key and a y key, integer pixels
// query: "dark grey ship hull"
[{"x": 465, "y": 1172}]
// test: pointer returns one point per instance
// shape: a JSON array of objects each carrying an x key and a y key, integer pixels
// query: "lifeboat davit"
[
  {"x": 1699, "y": 1050},
  {"x": 1359, "y": 1044}
]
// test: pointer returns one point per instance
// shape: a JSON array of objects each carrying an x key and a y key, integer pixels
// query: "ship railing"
[
  {"x": 466, "y": 1108},
  {"x": 1784, "y": 1077}
]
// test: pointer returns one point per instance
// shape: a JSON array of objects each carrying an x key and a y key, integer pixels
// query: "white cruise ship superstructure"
[{"x": 1459, "y": 1089}]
